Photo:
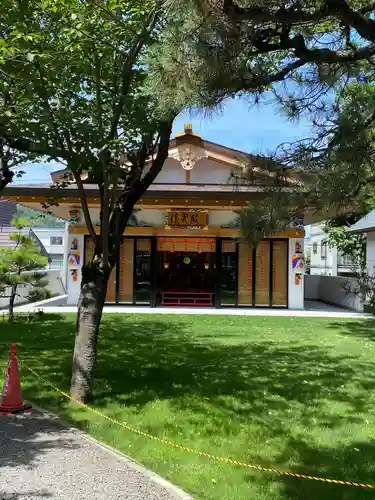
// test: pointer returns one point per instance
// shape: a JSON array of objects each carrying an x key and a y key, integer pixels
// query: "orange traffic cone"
[{"x": 11, "y": 397}]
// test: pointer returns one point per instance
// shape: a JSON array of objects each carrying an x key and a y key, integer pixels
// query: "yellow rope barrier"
[{"x": 221, "y": 459}]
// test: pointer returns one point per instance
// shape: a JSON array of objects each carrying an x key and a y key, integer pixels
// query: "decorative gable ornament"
[{"x": 188, "y": 156}]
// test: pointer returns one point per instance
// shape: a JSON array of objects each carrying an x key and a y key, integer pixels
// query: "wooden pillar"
[
  {"x": 153, "y": 272},
  {"x": 126, "y": 271},
  {"x": 218, "y": 273},
  {"x": 245, "y": 274}
]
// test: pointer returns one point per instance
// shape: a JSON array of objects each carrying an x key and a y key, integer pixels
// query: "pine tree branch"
[
  {"x": 364, "y": 26},
  {"x": 338, "y": 9},
  {"x": 256, "y": 82},
  {"x": 369, "y": 120},
  {"x": 367, "y": 8},
  {"x": 298, "y": 45},
  {"x": 282, "y": 15}
]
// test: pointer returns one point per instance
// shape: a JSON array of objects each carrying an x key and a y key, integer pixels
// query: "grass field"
[{"x": 291, "y": 393}]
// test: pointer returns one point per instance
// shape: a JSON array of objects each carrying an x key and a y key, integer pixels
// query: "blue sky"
[{"x": 256, "y": 130}]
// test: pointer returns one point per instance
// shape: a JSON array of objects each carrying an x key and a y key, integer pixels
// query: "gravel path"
[{"x": 42, "y": 459}]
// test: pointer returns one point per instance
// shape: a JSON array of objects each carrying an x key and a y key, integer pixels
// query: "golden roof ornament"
[{"x": 186, "y": 154}]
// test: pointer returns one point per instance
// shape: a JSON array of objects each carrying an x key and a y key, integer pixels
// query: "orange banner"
[{"x": 186, "y": 244}]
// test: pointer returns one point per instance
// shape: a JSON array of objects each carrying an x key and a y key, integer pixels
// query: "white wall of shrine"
[
  {"x": 218, "y": 218},
  {"x": 74, "y": 258},
  {"x": 154, "y": 218},
  {"x": 295, "y": 282},
  {"x": 208, "y": 171},
  {"x": 172, "y": 173},
  {"x": 204, "y": 171}
]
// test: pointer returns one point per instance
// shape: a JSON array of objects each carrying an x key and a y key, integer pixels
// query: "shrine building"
[{"x": 183, "y": 246}]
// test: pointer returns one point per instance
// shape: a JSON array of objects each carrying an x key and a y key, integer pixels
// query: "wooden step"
[{"x": 187, "y": 298}]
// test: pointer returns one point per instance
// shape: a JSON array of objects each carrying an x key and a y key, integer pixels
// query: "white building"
[
  {"x": 52, "y": 239},
  {"x": 324, "y": 260},
  {"x": 366, "y": 225}
]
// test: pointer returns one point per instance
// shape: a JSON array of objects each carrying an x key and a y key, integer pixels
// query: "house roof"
[
  {"x": 213, "y": 151},
  {"x": 364, "y": 225},
  {"x": 230, "y": 195},
  {"x": 8, "y": 210},
  {"x": 5, "y": 241}
]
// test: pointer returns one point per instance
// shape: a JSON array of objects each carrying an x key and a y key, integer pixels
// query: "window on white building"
[
  {"x": 56, "y": 240},
  {"x": 323, "y": 251},
  {"x": 56, "y": 261},
  {"x": 345, "y": 260},
  {"x": 315, "y": 248}
]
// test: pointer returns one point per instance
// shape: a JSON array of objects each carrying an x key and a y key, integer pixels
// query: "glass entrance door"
[{"x": 186, "y": 272}]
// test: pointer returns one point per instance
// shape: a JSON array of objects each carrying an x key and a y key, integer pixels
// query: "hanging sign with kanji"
[{"x": 188, "y": 219}]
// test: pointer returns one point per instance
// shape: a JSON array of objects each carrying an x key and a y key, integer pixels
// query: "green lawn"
[{"x": 292, "y": 393}]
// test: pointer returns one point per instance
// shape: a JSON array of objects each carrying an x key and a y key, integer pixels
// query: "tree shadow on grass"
[
  {"x": 141, "y": 360},
  {"x": 364, "y": 329},
  {"x": 349, "y": 463},
  {"x": 258, "y": 382}
]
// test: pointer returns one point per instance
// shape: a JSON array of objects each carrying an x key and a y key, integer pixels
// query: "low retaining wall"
[
  {"x": 55, "y": 286},
  {"x": 333, "y": 290}
]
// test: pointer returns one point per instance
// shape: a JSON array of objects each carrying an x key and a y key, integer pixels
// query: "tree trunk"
[
  {"x": 12, "y": 298},
  {"x": 90, "y": 308},
  {"x": 6, "y": 175}
]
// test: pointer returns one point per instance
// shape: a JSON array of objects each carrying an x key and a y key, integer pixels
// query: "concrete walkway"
[
  {"x": 312, "y": 309},
  {"x": 42, "y": 459}
]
